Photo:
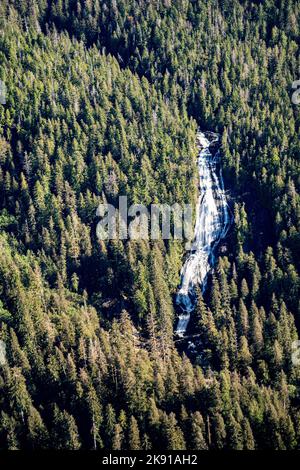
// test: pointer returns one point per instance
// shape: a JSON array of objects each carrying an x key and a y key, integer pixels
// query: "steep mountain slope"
[{"x": 105, "y": 99}]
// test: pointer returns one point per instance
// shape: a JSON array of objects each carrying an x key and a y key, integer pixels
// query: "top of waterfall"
[{"x": 203, "y": 140}]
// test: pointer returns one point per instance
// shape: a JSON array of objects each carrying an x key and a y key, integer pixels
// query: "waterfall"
[{"x": 212, "y": 224}]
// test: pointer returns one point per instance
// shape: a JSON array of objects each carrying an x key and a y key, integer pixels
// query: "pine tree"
[
  {"x": 244, "y": 354},
  {"x": 173, "y": 435},
  {"x": 134, "y": 435},
  {"x": 117, "y": 438},
  {"x": 197, "y": 428},
  {"x": 249, "y": 442},
  {"x": 65, "y": 433},
  {"x": 218, "y": 431},
  {"x": 235, "y": 436},
  {"x": 37, "y": 433}
]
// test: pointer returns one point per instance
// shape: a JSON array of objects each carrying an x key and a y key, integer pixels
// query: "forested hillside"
[{"x": 104, "y": 99}]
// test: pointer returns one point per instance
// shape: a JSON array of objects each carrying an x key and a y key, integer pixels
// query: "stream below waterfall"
[{"x": 212, "y": 224}]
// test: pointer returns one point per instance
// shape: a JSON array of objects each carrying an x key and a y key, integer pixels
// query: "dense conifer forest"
[{"x": 104, "y": 98}]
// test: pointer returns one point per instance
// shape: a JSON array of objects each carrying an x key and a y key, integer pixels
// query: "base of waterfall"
[{"x": 212, "y": 224}]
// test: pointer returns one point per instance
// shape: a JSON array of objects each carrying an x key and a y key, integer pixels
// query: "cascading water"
[{"x": 212, "y": 224}]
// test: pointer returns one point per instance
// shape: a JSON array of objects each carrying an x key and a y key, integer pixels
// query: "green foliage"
[{"x": 90, "y": 358}]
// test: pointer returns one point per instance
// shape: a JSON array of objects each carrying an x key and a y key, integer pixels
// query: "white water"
[{"x": 212, "y": 224}]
